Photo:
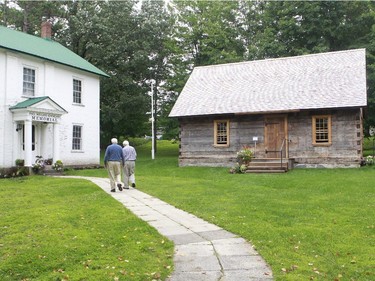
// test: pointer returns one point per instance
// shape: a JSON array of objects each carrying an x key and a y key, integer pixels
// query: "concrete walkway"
[{"x": 203, "y": 251}]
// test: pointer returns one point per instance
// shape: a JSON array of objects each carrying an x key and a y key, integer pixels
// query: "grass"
[
  {"x": 368, "y": 146},
  {"x": 67, "y": 229},
  {"x": 308, "y": 224}
]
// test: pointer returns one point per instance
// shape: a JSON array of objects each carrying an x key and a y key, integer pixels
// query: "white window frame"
[
  {"x": 28, "y": 85},
  {"x": 77, "y": 140},
  {"x": 77, "y": 91}
]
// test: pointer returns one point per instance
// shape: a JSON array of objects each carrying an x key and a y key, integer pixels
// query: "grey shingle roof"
[{"x": 326, "y": 80}]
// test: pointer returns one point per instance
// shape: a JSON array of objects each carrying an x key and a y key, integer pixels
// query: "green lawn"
[
  {"x": 369, "y": 146},
  {"x": 67, "y": 229},
  {"x": 308, "y": 224},
  {"x": 313, "y": 224}
]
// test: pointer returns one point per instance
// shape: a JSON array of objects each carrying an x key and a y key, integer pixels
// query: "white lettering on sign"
[{"x": 43, "y": 117}]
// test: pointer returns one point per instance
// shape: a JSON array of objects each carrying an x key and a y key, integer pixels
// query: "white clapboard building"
[{"x": 49, "y": 101}]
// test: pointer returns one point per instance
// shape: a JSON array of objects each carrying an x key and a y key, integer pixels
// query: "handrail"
[{"x": 281, "y": 153}]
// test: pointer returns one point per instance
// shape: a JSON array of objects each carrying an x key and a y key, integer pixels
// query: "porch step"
[
  {"x": 265, "y": 171},
  {"x": 266, "y": 165}
]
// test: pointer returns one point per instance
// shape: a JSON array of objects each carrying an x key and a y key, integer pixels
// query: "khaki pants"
[
  {"x": 114, "y": 173},
  {"x": 129, "y": 168}
]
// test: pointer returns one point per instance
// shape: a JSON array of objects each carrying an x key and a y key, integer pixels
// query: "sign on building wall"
[{"x": 43, "y": 117}]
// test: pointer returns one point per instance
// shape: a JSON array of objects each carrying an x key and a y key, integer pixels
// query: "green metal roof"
[
  {"x": 28, "y": 102},
  {"x": 31, "y": 101},
  {"x": 45, "y": 49}
]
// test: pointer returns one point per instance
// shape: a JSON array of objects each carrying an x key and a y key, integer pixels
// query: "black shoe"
[
  {"x": 113, "y": 190},
  {"x": 119, "y": 186},
  {"x": 133, "y": 185}
]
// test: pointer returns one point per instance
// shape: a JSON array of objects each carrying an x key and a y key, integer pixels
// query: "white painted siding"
[{"x": 56, "y": 81}]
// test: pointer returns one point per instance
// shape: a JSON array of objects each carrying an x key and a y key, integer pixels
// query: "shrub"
[
  {"x": 238, "y": 169},
  {"x": 58, "y": 166},
  {"x": 245, "y": 155},
  {"x": 369, "y": 160},
  {"x": 38, "y": 167}
]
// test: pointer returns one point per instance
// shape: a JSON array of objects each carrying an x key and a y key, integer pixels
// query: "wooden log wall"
[{"x": 197, "y": 139}]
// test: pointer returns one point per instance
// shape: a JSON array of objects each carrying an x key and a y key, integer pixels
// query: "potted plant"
[{"x": 20, "y": 162}]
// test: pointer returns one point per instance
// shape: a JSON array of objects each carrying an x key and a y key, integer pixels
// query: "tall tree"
[
  {"x": 28, "y": 16},
  {"x": 156, "y": 21},
  {"x": 206, "y": 31}
]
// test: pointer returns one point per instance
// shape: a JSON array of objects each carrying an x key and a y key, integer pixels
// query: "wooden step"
[
  {"x": 267, "y": 165},
  {"x": 265, "y": 171}
]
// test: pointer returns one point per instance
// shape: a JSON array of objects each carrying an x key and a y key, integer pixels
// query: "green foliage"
[
  {"x": 58, "y": 166},
  {"x": 68, "y": 229},
  {"x": 238, "y": 169},
  {"x": 163, "y": 41},
  {"x": 245, "y": 154},
  {"x": 19, "y": 162}
]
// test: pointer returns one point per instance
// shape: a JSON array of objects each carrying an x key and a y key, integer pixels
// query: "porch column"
[
  {"x": 56, "y": 142},
  {"x": 28, "y": 143}
]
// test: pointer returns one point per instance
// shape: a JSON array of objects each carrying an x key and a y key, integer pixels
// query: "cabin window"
[
  {"x": 28, "y": 82},
  {"x": 221, "y": 128},
  {"x": 77, "y": 91},
  {"x": 321, "y": 130},
  {"x": 77, "y": 138}
]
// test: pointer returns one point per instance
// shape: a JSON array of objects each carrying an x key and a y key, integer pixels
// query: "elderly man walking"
[
  {"x": 113, "y": 161},
  {"x": 130, "y": 155}
]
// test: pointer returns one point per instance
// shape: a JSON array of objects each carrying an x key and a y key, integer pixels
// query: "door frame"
[{"x": 283, "y": 118}]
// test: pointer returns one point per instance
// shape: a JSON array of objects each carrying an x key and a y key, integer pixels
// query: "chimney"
[{"x": 46, "y": 31}]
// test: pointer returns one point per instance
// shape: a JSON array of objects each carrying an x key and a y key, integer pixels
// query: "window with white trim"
[
  {"x": 28, "y": 82},
  {"x": 77, "y": 137},
  {"x": 322, "y": 133},
  {"x": 77, "y": 91},
  {"x": 221, "y": 132}
]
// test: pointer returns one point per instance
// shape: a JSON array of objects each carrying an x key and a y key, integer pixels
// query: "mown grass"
[
  {"x": 369, "y": 146},
  {"x": 67, "y": 229},
  {"x": 308, "y": 224}
]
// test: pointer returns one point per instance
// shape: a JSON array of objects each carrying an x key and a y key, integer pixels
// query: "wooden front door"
[{"x": 275, "y": 134}]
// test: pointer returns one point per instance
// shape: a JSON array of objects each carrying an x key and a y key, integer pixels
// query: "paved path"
[{"x": 203, "y": 251}]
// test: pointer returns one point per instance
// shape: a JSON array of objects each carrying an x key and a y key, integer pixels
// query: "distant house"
[
  {"x": 307, "y": 109},
  {"x": 49, "y": 101}
]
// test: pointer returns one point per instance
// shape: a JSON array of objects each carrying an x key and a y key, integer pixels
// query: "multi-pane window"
[
  {"x": 77, "y": 137},
  {"x": 221, "y": 132},
  {"x": 28, "y": 82},
  {"x": 321, "y": 130},
  {"x": 77, "y": 91}
]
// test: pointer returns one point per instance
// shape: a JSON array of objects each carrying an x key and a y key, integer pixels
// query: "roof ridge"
[{"x": 280, "y": 58}]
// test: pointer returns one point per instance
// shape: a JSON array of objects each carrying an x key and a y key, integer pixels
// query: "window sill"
[
  {"x": 322, "y": 144},
  {"x": 77, "y": 151},
  {"x": 221, "y": 145},
  {"x": 78, "y": 104}
]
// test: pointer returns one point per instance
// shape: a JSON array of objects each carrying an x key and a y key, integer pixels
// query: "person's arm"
[{"x": 106, "y": 157}]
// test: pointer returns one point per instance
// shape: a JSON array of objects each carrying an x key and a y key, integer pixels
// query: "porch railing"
[{"x": 283, "y": 148}]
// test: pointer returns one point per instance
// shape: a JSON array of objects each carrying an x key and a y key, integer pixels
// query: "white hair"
[
  {"x": 114, "y": 140},
  {"x": 125, "y": 143}
]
